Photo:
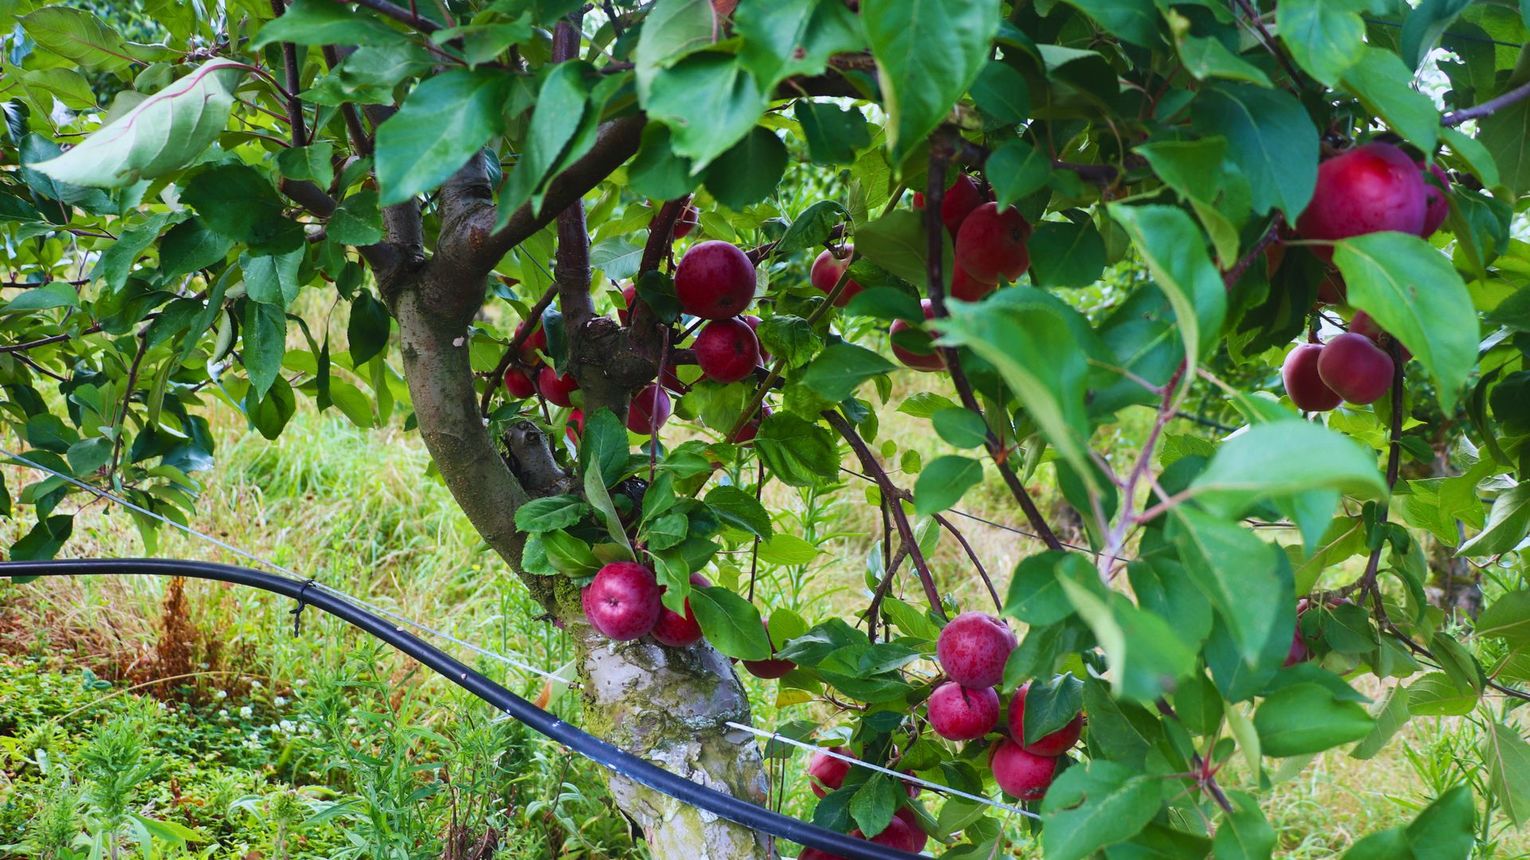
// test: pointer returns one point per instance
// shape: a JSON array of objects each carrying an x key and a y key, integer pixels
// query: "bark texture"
[{"x": 668, "y": 705}]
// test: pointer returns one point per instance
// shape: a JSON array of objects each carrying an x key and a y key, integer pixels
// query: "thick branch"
[
  {"x": 1456, "y": 117},
  {"x": 935, "y": 192},
  {"x": 894, "y": 496},
  {"x": 294, "y": 83}
]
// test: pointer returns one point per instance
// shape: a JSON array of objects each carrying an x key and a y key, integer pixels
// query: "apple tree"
[{"x": 625, "y": 265}]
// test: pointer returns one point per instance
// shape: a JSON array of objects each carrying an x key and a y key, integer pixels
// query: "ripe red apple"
[
  {"x": 902, "y": 832},
  {"x": 727, "y": 350},
  {"x": 689, "y": 219},
  {"x": 1363, "y": 324},
  {"x": 960, "y": 713},
  {"x": 1054, "y": 744},
  {"x": 674, "y": 629},
  {"x": 754, "y": 326},
  {"x": 1355, "y": 368},
  {"x": 1364, "y": 190},
  {"x": 622, "y": 602},
  {"x": 968, "y": 288},
  {"x": 574, "y": 427},
  {"x": 771, "y": 668},
  {"x": 991, "y": 244},
  {"x": 649, "y": 409},
  {"x": 972, "y": 649},
  {"x": 629, "y": 296},
  {"x": 961, "y": 199},
  {"x": 518, "y": 384},
  {"x": 827, "y": 773},
  {"x": 826, "y": 271},
  {"x": 927, "y": 357},
  {"x": 1436, "y": 200},
  {"x": 1021, "y": 774},
  {"x": 751, "y": 428},
  {"x": 536, "y": 342},
  {"x": 556, "y": 387},
  {"x": 714, "y": 281},
  {"x": 1303, "y": 384}
]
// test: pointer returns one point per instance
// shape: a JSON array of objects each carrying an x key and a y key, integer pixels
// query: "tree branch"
[
  {"x": 1368, "y": 583},
  {"x": 973, "y": 557},
  {"x": 935, "y": 192},
  {"x": 517, "y": 342},
  {"x": 894, "y": 495},
  {"x": 294, "y": 84},
  {"x": 353, "y": 127},
  {"x": 1456, "y": 117},
  {"x": 400, "y": 14}
]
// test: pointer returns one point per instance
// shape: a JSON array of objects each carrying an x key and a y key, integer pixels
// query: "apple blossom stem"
[
  {"x": 533, "y": 319},
  {"x": 894, "y": 496},
  {"x": 934, "y": 195}
]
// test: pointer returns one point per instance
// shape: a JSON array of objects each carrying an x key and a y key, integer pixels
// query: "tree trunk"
[{"x": 667, "y": 705}]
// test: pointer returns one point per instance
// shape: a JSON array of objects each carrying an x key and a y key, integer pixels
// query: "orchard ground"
[{"x": 263, "y": 711}]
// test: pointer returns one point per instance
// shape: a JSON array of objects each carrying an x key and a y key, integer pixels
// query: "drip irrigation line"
[{"x": 616, "y": 760}]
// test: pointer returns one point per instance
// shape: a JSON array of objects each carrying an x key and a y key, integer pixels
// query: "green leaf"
[
  {"x": 322, "y": 22},
  {"x": 896, "y": 243},
  {"x": 730, "y": 623},
  {"x": 1325, "y": 37},
  {"x": 1244, "y": 834},
  {"x": 1096, "y": 805},
  {"x": 236, "y": 201},
  {"x": 552, "y": 512},
  {"x": 928, "y": 53},
  {"x": 656, "y": 171},
  {"x": 1507, "y": 524},
  {"x": 749, "y": 171},
  {"x": 68, "y": 85},
  {"x": 357, "y": 221},
  {"x": 1390, "y": 715},
  {"x": 47, "y": 297},
  {"x": 1411, "y": 290},
  {"x": 783, "y": 38},
  {"x": 1385, "y": 86},
  {"x": 1436, "y": 695},
  {"x": 569, "y": 555},
  {"x": 190, "y": 246},
  {"x": 1175, "y": 252},
  {"x": 1283, "y": 458},
  {"x": 812, "y": 228},
  {"x": 272, "y": 279},
  {"x": 1136, "y": 21},
  {"x": 1507, "y": 618},
  {"x": 1308, "y": 718},
  {"x": 1000, "y": 92},
  {"x": 444, "y": 122},
  {"x": 672, "y": 30},
  {"x": 841, "y": 368},
  {"x": 162, "y": 133},
  {"x": 1205, "y": 57},
  {"x": 1036, "y": 594},
  {"x": 1445, "y": 830},
  {"x": 961, "y": 427},
  {"x": 709, "y": 101},
  {"x": 1506, "y": 136},
  {"x": 556, "y": 122},
  {"x": 1051, "y": 704},
  {"x": 741, "y": 510},
  {"x": 265, "y": 341},
  {"x": 1016, "y": 170},
  {"x": 368, "y": 328},
  {"x": 1066, "y": 254},
  {"x": 875, "y": 802},
  {"x": 1146, "y": 656},
  {"x": 1270, "y": 139},
  {"x": 787, "y": 550},
  {"x": 790, "y": 339},
  {"x": 78, "y": 37},
  {"x": 944, "y": 481},
  {"x": 797, "y": 452},
  {"x": 1033, "y": 340},
  {"x": 1508, "y": 762},
  {"x": 834, "y": 134},
  {"x": 1236, "y": 571}
]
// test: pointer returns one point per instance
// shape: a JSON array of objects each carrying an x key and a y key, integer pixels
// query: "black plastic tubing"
[{"x": 618, "y": 761}]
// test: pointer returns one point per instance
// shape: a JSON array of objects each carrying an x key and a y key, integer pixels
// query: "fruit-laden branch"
[
  {"x": 894, "y": 495},
  {"x": 1456, "y": 117},
  {"x": 934, "y": 195},
  {"x": 517, "y": 343}
]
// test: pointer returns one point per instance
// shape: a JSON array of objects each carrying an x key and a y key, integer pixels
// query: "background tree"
[{"x": 465, "y": 170}]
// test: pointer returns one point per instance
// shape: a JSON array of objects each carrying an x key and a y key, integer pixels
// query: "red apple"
[
  {"x": 518, "y": 384},
  {"x": 649, "y": 409},
  {"x": 960, "y": 713},
  {"x": 902, "y": 833},
  {"x": 629, "y": 296},
  {"x": 961, "y": 199},
  {"x": 1303, "y": 384},
  {"x": 972, "y": 649},
  {"x": 916, "y": 349},
  {"x": 727, "y": 350},
  {"x": 771, "y": 668},
  {"x": 826, "y": 272},
  {"x": 1437, "y": 200},
  {"x": 689, "y": 219},
  {"x": 968, "y": 288},
  {"x": 574, "y": 427},
  {"x": 674, "y": 629},
  {"x": 556, "y": 387},
  {"x": 714, "y": 281},
  {"x": 827, "y": 773},
  {"x": 1364, "y": 190},
  {"x": 1022, "y": 774},
  {"x": 1054, "y": 744},
  {"x": 1363, "y": 324},
  {"x": 751, "y": 428},
  {"x": 532, "y": 345},
  {"x": 991, "y": 244},
  {"x": 1355, "y": 368},
  {"x": 622, "y": 602}
]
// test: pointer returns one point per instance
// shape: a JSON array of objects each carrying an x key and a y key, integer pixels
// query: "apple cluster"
[
  {"x": 990, "y": 244},
  {"x": 1367, "y": 189}
]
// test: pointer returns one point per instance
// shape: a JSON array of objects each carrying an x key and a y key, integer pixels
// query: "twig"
[
  {"x": 353, "y": 127},
  {"x": 127, "y": 400},
  {"x": 874, "y": 609},
  {"x": 973, "y": 557},
  {"x": 294, "y": 83},
  {"x": 935, "y": 192},
  {"x": 400, "y": 14},
  {"x": 513, "y": 351},
  {"x": 28, "y": 285},
  {"x": 894, "y": 493},
  {"x": 1456, "y": 117},
  {"x": 1368, "y": 583},
  {"x": 661, "y": 233},
  {"x": 1203, "y": 775}
]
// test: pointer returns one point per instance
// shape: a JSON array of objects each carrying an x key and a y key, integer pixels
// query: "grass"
[{"x": 326, "y": 745}]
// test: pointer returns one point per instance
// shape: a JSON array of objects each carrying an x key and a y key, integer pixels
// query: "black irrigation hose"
[{"x": 620, "y": 762}]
